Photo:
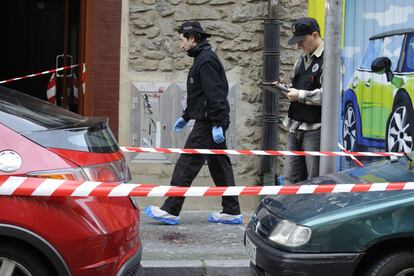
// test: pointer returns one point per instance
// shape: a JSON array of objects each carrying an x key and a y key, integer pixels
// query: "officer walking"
[{"x": 207, "y": 91}]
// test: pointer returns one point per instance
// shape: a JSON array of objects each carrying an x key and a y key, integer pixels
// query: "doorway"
[{"x": 40, "y": 35}]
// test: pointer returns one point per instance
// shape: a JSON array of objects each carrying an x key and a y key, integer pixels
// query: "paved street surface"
[{"x": 195, "y": 247}]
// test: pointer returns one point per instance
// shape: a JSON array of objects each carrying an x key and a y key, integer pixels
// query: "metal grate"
[{"x": 132, "y": 271}]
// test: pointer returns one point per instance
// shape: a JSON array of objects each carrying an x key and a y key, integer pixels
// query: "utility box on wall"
[{"x": 156, "y": 106}]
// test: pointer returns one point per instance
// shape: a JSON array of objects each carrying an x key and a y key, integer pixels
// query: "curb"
[{"x": 201, "y": 267}]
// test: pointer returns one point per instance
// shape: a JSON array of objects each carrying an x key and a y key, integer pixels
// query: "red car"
[{"x": 63, "y": 235}]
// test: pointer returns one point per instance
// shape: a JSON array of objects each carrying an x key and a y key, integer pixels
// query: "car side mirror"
[{"x": 382, "y": 65}]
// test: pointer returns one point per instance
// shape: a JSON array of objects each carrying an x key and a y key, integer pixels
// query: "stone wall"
[{"x": 237, "y": 37}]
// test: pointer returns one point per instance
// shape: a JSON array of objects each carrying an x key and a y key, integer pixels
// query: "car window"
[
  {"x": 372, "y": 52},
  {"x": 24, "y": 113},
  {"x": 96, "y": 138},
  {"x": 385, "y": 47},
  {"x": 408, "y": 65},
  {"x": 391, "y": 48},
  {"x": 52, "y": 126}
]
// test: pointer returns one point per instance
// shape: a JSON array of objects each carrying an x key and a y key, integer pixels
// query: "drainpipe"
[
  {"x": 331, "y": 84},
  {"x": 270, "y": 101}
]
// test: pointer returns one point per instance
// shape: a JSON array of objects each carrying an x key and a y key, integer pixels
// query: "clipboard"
[{"x": 274, "y": 88}]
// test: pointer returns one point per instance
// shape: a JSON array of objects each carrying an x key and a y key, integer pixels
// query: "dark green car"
[{"x": 337, "y": 234}]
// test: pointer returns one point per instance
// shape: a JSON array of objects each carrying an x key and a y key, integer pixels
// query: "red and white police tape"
[
  {"x": 353, "y": 158},
  {"x": 30, "y": 186},
  {"x": 260, "y": 152},
  {"x": 40, "y": 73}
]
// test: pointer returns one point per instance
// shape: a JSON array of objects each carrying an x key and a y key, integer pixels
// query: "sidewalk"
[{"x": 195, "y": 247}]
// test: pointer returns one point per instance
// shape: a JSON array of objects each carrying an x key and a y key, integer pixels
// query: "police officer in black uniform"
[
  {"x": 207, "y": 91},
  {"x": 304, "y": 116}
]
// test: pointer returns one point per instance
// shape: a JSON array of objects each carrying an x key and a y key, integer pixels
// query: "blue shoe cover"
[
  {"x": 148, "y": 212},
  {"x": 238, "y": 220}
]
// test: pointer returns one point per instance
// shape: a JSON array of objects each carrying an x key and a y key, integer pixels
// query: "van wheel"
[
  {"x": 16, "y": 260},
  {"x": 399, "y": 134},
  {"x": 398, "y": 264},
  {"x": 349, "y": 128}
]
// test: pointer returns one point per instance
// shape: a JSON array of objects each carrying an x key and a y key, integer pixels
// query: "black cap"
[
  {"x": 192, "y": 26},
  {"x": 302, "y": 27}
]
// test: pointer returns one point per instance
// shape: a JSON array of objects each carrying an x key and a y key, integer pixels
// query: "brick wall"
[{"x": 102, "y": 59}]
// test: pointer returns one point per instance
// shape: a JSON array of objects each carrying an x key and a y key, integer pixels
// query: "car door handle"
[{"x": 368, "y": 83}]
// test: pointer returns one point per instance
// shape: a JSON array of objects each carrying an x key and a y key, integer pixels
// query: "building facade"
[{"x": 150, "y": 53}]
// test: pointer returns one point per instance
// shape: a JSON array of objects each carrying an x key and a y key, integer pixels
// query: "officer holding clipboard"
[{"x": 303, "y": 121}]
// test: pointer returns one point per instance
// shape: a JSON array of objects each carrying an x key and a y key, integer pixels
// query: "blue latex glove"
[
  {"x": 179, "y": 124},
  {"x": 218, "y": 135}
]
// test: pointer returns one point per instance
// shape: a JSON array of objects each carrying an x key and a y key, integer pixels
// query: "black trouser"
[{"x": 188, "y": 166}]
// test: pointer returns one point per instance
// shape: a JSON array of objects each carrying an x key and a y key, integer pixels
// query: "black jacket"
[
  {"x": 307, "y": 79},
  {"x": 207, "y": 87}
]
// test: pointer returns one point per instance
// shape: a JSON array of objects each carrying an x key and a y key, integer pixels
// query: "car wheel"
[
  {"x": 398, "y": 264},
  {"x": 349, "y": 128},
  {"x": 399, "y": 136},
  {"x": 16, "y": 260}
]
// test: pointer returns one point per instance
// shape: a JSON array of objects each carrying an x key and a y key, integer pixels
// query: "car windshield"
[
  {"x": 24, "y": 113},
  {"x": 300, "y": 207}
]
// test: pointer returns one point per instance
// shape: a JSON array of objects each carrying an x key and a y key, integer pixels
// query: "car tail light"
[
  {"x": 75, "y": 174},
  {"x": 107, "y": 172}
]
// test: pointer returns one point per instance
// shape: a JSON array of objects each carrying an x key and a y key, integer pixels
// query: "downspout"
[
  {"x": 270, "y": 101},
  {"x": 331, "y": 84}
]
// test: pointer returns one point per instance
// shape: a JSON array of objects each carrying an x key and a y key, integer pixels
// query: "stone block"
[
  {"x": 222, "y": 2},
  {"x": 195, "y": 13},
  {"x": 164, "y": 9}
]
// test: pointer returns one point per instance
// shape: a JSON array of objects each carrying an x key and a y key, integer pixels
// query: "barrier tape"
[
  {"x": 359, "y": 163},
  {"x": 259, "y": 152},
  {"x": 41, "y": 73},
  {"x": 29, "y": 186}
]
